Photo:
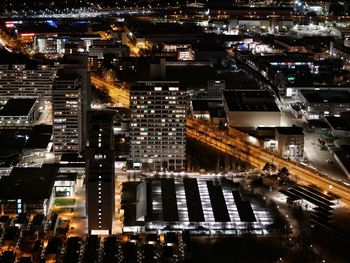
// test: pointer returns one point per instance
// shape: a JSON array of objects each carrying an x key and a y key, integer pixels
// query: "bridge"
[{"x": 241, "y": 146}]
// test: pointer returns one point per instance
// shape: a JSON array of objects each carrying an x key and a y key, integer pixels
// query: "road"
[
  {"x": 243, "y": 149},
  {"x": 12, "y": 44},
  {"x": 118, "y": 93}
]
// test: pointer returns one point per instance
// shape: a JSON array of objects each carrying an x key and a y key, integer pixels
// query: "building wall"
[
  {"x": 71, "y": 101},
  {"x": 100, "y": 186},
  {"x": 158, "y": 126},
  {"x": 253, "y": 119},
  {"x": 17, "y": 206},
  {"x": 67, "y": 117},
  {"x": 319, "y": 110},
  {"x": 290, "y": 146},
  {"x": 100, "y": 51},
  {"x": 16, "y": 82}
]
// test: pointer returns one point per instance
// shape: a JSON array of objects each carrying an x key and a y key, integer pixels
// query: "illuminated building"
[
  {"x": 158, "y": 125},
  {"x": 71, "y": 97},
  {"x": 99, "y": 48},
  {"x": 320, "y": 103},
  {"x": 19, "y": 112},
  {"x": 185, "y": 53},
  {"x": 290, "y": 142},
  {"x": 201, "y": 204},
  {"x": 100, "y": 182},
  {"x": 20, "y": 81}
]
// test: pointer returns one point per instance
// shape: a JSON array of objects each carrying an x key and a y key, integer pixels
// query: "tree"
[
  {"x": 269, "y": 167},
  {"x": 283, "y": 172}
]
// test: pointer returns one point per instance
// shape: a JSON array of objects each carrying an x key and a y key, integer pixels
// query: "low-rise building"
[
  {"x": 251, "y": 108},
  {"x": 39, "y": 144},
  {"x": 321, "y": 103},
  {"x": 19, "y": 112},
  {"x": 27, "y": 189},
  {"x": 101, "y": 48},
  {"x": 340, "y": 125},
  {"x": 290, "y": 142},
  {"x": 65, "y": 184},
  {"x": 210, "y": 110},
  {"x": 267, "y": 135}
]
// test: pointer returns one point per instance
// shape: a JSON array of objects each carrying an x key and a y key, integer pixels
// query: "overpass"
[{"x": 240, "y": 146}]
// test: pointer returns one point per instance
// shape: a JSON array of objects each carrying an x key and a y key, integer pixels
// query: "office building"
[
  {"x": 158, "y": 118},
  {"x": 71, "y": 99},
  {"x": 100, "y": 178}
]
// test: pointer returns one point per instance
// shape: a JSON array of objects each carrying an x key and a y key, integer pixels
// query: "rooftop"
[
  {"x": 206, "y": 104},
  {"x": 18, "y": 107},
  {"x": 150, "y": 29},
  {"x": 40, "y": 137},
  {"x": 338, "y": 123},
  {"x": 326, "y": 96},
  {"x": 294, "y": 130},
  {"x": 28, "y": 182},
  {"x": 250, "y": 100},
  {"x": 189, "y": 203}
]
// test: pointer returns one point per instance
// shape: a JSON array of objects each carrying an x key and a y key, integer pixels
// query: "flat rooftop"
[
  {"x": 18, "y": 107},
  {"x": 39, "y": 138},
  {"x": 338, "y": 123},
  {"x": 72, "y": 160},
  {"x": 206, "y": 104},
  {"x": 293, "y": 130},
  {"x": 67, "y": 177},
  {"x": 326, "y": 96},
  {"x": 28, "y": 182},
  {"x": 250, "y": 100},
  {"x": 150, "y": 29}
]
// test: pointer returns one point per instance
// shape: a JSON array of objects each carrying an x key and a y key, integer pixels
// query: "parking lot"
[{"x": 320, "y": 157}]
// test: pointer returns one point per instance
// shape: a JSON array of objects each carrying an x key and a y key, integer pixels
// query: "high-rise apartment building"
[
  {"x": 71, "y": 100},
  {"x": 100, "y": 177},
  {"x": 158, "y": 115},
  {"x": 22, "y": 81}
]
